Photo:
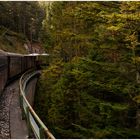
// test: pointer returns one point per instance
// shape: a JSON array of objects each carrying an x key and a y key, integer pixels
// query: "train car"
[
  {"x": 14, "y": 64},
  {"x": 30, "y": 61},
  {"x": 40, "y": 60},
  {"x": 3, "y": 70},
  {"x": 19, "y": 63}
]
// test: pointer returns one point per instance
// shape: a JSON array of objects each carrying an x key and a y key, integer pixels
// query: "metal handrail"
[{"x": 30, "y": 114}]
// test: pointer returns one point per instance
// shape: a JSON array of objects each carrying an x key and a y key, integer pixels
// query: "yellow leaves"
[
  {"x": 133, "y": 39},
  {"x": 116, "y": 27},
  {"x": 101, "y": 134},
  {"x": 113, "y": 28},
  {"x": 75, "y": 59},
  {"x": 130, "y": 6},
  {"x": 53, "y": 71},
  {"x": 137, "y": 99},
  {"x": 137, "y": 59},
  {"x": 128, "y": 16}
]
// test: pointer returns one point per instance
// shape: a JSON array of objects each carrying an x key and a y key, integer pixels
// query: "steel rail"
[{"x": 28, "y": 111}]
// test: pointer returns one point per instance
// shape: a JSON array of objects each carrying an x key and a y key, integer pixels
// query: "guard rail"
[{"x": 34, "y": 123}]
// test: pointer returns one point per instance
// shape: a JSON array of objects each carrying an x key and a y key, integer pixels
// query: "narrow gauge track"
[
  {"x": 5, "y": 102},
  {"x": 11, "y": 123}
]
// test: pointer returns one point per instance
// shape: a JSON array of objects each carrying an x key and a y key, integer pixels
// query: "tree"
[
  {"x": 25, "y": 17},
  {"x": 92, "y": 94}
]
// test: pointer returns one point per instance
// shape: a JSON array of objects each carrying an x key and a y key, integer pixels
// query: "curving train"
[{"x": 13, "y": 64}]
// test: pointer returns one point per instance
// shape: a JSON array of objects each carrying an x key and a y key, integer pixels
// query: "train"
[{"x": 13, "y": 64}]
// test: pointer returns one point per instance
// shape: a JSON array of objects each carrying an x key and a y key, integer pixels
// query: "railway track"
[
  {"x": 5, "y": 101},
  {"x": 13, "y": 106},
  {"x": 9, "y": 110}
]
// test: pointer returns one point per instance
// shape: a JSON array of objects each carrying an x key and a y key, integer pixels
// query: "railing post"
[
  {"x": 28, "y": 122},
  {"x": 21, "y": 105},
  {"x": 41, "y": 131}
]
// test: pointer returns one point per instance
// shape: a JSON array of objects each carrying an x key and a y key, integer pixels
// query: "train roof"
[
  {"x": 37, "y": 54},
  {"x": 9, "y": 53},
  {"x": 14, "y": 54},
  {"x": 21, "y": 55}
]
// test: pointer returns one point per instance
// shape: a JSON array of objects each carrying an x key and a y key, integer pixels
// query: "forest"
[
  {"x": 22, "y": 17},
  {"x": 91, "y": 88}
]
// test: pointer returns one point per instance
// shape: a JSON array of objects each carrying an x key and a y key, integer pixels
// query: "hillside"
[
  {"x": 21, "y": 26},
  {"x": 12, "y": 42}
]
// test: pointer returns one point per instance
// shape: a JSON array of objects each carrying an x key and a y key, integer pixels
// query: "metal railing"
[{"x": 34, "y": 123}]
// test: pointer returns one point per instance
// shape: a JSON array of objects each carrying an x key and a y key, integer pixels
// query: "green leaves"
[
  {"x": 91, "y": 84},
  {"x": 25, "y": 17}
]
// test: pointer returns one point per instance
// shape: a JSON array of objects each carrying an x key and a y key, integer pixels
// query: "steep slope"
[{"x": 12, "y": 42}]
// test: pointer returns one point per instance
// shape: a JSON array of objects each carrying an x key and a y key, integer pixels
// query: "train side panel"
[
  {"x": 30, "y": 61},
  {"x": 15, "y": 65},
  {"x": 12, "y": 65},
  {"x": 3, "y": 72}
]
